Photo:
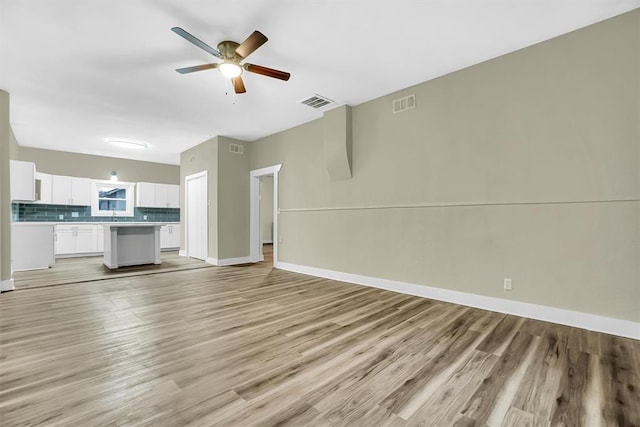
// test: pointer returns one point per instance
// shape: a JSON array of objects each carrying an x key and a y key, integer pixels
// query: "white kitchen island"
[{"x": 131, "y": 244}]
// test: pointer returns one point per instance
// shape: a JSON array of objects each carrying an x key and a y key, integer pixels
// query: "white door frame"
[
  {"x": 186, "y": 213},
  {"x": 254, "y": 240}
]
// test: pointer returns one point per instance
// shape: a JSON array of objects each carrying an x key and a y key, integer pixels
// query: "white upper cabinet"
[
  {"x": 67, "y": 190},
  {"x": 23, "y": 181},
  {"x": 153, "y": 195},
  {"x": 43, "y": 188},
  {"x": 145, "y": 195},
  {"x": 173, "y": 196}
]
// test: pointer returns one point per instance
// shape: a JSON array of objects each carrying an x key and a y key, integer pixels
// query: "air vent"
[
  {"x": 316, "y": 101},
  {"x": 235, "y": 148},
  {"x": 404, "y": 104}
]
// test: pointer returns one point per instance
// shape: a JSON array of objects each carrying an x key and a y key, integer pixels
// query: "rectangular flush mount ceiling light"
[{"x": 127, "y": 143}]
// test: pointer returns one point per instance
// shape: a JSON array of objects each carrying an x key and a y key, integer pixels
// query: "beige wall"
[
  {"x": 99, "y": 167},
  {"x": 233, "y": 200},
  {"x": 5, "y": 197},
  {"x": 228, "y": 192},
  {"x": 266, "y": 208},
  {"x": 201, "y": 158},
  {"x": 517, "y": 167},
  {"x": 13, "y": 145}
]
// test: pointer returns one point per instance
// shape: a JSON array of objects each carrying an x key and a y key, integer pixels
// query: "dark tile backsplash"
[{"x": 29, "y": 212}]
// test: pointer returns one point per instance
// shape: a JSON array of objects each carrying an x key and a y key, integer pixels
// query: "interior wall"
[
  {"x": 202, "y": 157},
  {"x": 99, "y": 167},
  {"x": 233, "y": 200},
  {"x": 5, "y": 196},
  {"x": 13, "y": 146},
  {"x": 525, "y": 166},
  {"x": 266, "y": 209}
]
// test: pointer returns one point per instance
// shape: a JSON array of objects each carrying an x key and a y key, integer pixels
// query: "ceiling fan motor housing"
[{"x": 228, "y": 51}]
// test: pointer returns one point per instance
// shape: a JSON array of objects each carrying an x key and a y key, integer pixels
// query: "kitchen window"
[{"x": 112, "y": 199}]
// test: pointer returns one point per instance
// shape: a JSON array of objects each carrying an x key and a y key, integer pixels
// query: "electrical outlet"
[
  {"x": 75, "y": 214},
  {"x": 281, "y": 240},
  {"x": 507, "y": 284},
  {"x": 60, "y": 216},
  {"x": 144, "y": 217}
]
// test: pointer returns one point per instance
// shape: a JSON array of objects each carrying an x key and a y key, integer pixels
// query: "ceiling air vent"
[
  {"x": 235, "y": 148},
  {"x": 316, "y": 101},
  {"x": 404, "y": 104}
]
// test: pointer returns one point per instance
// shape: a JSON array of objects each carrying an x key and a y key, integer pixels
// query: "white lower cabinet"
[
  {"x": 100, "y": 238},
  {"x": 83, "y": 239},
  {"x": 170, "y": 236},
  {"x": 76, "y": 239}
]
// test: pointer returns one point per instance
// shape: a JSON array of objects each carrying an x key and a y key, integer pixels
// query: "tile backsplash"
[{"x": 31, "y": 212}]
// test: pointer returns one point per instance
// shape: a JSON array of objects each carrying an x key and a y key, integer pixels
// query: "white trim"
[
  {"x": 576, "y": 319},
  {"x": 228, "y": 261},
  {"x": 186, "y": 211},
  {"x": 457, "y": 205},
  {"x": 267, "y": 242},
  {"x": 182, "y": 252},
  {"x": 254, "y": 222},
  {"x": 7, "y": 285},
  {"x": 130, "y": 201}
]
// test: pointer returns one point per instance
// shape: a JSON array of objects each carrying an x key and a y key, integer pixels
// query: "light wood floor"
[
  {"x": 87, "y": 269},
  {"x": 249, "y": 345}
]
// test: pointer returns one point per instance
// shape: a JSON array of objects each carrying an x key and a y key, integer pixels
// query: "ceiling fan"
[{"x": 232, "y": 54}]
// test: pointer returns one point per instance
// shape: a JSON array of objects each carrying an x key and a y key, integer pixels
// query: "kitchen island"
[{"x": 131, "y": 244}]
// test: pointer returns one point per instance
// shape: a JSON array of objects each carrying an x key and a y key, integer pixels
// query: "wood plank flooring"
[
  {"x": 86, "y": 269},
  {"x": 250, "y": 345}
]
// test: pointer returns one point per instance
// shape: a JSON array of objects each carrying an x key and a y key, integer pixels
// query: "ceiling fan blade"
[
  {"x": 238, "y": 85},
  {"x": 202, "y": 45},
  {"x": 196, "y": 68},
  {"x": 269, "y": 72},
  {"x": 254, "y": 41}
]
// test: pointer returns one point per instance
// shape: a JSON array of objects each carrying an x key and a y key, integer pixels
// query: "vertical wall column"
[
  {"x": 338, "y": 142},
  {"x": 6, "y": 280}
]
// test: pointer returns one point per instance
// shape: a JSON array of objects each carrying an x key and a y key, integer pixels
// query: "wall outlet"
[
  {"x": 507, "y": 284},
  {"x": 281, "y": 240},
  {"x": 144, "y": 217},
  {"x": 74, "y": 215},
  {"x": 60, "y": 216}
]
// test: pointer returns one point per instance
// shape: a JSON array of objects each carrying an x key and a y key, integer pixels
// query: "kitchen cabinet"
[
  {"x": 32, "y": 246},
  {"x": 43, "y": 188},
  {"x": 23, "y": 181},
  {"x": 100, "y": 239},
  {"x": 76, "y": 239},
  {"x": 145, "y": 195},
  {"x": 67, "y": 190},
  {"x": 154, "y": 195},
  {"x": 170, "y": 236}
]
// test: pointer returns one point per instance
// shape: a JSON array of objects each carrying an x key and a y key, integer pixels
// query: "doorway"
[
  {"x": 195, "y": 203},
  {"x": 257, "y": 232},
  {"x": 266, "y": 219}
]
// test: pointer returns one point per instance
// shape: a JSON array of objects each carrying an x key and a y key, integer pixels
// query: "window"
[{"x": 112, "y": 198}]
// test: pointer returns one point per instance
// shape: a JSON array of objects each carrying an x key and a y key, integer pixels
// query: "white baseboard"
[
  {"x": 182, "y": 253},
  {"x": 7, "y": 285},
  {"x": 228, "y": 261},
  {"x": 576, "y": 319}
]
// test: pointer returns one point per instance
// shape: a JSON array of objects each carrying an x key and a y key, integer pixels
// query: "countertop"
[{"x": 93, "y": 223}]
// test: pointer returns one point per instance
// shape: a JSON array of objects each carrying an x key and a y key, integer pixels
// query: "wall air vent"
[
  {"x": 404, "y": 104},
  {"x": 236, "y": 149},
  {"x": 316, "y": 101}
]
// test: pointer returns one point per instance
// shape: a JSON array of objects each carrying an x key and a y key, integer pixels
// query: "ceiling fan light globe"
[{"x": 230, "y": 69}]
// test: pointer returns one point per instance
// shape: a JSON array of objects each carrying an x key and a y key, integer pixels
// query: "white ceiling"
[{"x": 79, "y": 71}]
